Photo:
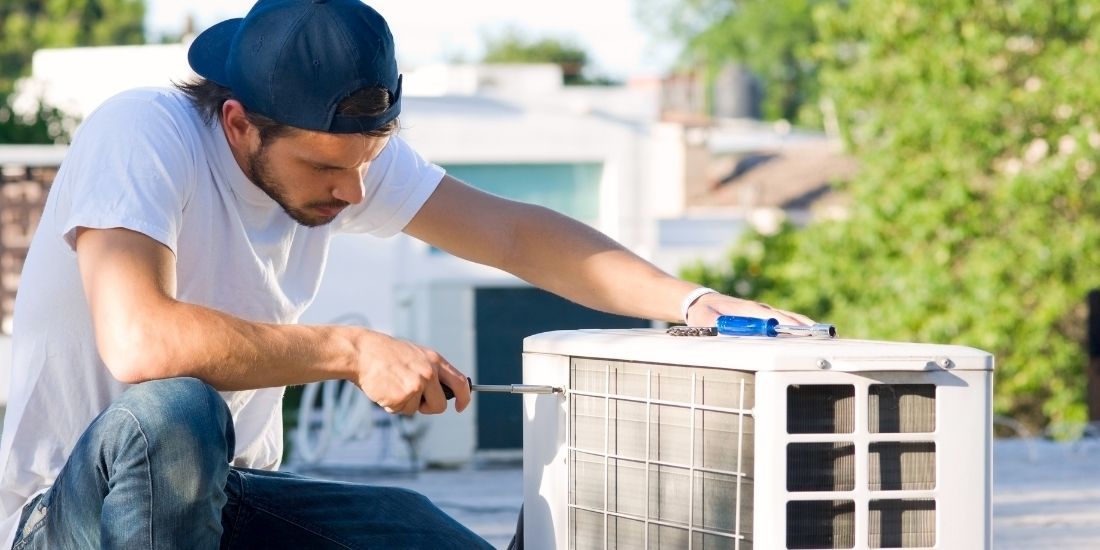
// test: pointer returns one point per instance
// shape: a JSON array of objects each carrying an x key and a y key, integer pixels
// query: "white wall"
[
  {"x": 77, "y": 80},
  {"x": 473, "y": 79},
  {"x": 363, "y": 274},
  {"x": 478, "y": 129}
]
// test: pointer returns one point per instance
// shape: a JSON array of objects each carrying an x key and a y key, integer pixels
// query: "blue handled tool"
[{"x": 734, "y": 325}]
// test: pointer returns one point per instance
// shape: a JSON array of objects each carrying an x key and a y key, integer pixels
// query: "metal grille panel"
[{"x": 660, "y": 456}]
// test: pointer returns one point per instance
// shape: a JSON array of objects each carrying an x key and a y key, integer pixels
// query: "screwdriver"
[
  {"x": 504, "y": 388},
  {"x": 734, "y": 325}
]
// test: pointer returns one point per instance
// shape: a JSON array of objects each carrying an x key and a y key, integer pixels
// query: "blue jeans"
[{"x": 152, "y": 472}]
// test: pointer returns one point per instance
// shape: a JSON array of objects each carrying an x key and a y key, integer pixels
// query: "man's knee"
[
  {"x": 406, "y": 497},
  {"x": 180, "y": 412}
]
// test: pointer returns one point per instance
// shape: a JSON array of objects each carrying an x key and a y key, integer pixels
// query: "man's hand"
[
  {"x": 405, "y": 378},
  {"x": 706, "y": 310}
]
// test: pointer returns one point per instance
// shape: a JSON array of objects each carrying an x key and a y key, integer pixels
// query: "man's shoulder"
[
  {"x": 138, "y": 104},
  {"x": 156, "y": 126},
  {"x": 154, "y": 95}
]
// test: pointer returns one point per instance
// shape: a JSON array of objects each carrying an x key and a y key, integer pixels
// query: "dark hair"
[{"x": 209, "y": 96}]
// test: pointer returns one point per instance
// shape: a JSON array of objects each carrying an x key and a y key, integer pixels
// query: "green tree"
[
  {"x": 27, "y": 25},
  {"x": 514, "y": 46},
  {"x": 974, "y": 219},
  {"x": 773, "y": 38}
]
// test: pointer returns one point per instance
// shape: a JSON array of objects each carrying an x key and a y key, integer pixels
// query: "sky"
[{"x": 428, "y": 31}]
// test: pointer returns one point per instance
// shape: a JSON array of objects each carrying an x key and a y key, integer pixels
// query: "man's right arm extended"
[{"x": 144, "y": 333}]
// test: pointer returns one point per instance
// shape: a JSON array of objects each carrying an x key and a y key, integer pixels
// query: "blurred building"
[{"x": 738, "y": 171}]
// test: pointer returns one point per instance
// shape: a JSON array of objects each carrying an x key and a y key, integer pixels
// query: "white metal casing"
[{"x": 963, "y": 395}]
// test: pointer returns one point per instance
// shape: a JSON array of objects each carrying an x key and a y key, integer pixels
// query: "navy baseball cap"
[{"x": 294, "y": 60}]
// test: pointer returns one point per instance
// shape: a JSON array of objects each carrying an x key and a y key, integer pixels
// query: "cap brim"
[{"x": 209, "y": 51}]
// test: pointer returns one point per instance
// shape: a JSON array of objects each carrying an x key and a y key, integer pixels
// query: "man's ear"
[{"x": 240, "y": 133}]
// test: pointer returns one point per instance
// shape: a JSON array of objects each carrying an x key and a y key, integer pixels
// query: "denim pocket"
[{"x": 31, "y": 522}]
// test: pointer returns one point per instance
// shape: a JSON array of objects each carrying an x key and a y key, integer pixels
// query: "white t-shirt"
[{"x": 146, "y": 161}]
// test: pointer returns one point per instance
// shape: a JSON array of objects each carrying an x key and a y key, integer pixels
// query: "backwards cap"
[{"x": 294, "y": 60}]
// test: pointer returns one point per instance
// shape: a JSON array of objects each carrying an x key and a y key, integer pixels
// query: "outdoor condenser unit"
[{"x": 723, "y": 442}]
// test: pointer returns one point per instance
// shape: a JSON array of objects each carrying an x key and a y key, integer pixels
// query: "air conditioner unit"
[{"x": 772, "y": 443}]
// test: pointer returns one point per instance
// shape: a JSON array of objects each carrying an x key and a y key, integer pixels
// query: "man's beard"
[{"x": 260, "y": 175}]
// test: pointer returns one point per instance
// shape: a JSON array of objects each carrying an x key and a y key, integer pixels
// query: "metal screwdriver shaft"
[
  {"x": 515, "y": 388},
  {"x": 504, "y": 388}
]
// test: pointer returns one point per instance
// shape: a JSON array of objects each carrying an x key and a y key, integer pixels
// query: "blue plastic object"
[{"x": 733, "y": 325}]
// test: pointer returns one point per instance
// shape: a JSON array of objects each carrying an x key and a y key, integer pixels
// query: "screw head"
[
  {"x": 822, "y": 364},
  {"x": 945, "y": 363}
]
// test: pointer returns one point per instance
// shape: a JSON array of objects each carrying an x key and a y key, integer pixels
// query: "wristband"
[{"x": 693, "y": 297}]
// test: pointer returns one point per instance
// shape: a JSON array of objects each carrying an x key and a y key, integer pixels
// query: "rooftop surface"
[{"x": 1045, "y": 494}]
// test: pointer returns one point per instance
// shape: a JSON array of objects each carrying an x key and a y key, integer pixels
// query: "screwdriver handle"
[
  {"x": 735, "y": 325},
  {"x": 449, "y": 393},
  {"x": 732, "y": 325}
]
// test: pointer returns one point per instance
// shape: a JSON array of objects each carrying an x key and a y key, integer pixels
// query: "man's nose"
[{"x": 349, "y": 188}]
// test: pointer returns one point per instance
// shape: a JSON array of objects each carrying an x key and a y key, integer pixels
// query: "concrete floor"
[
  {"x": 1046, "y": 495},
  {"x": 486, "y": 500}
]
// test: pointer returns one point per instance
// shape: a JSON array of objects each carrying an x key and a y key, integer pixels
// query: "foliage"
[
  {"x": 974, "y": 217},
  {"x": 27, "y": 25},
  {"x": 514, "y": 46},
  {"x": 46, "y": 125},
  {"x": 773, "y": 38}
]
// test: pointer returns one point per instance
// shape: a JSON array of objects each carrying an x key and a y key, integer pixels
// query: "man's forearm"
[
  {"x": 181, "y": 339},
  {"x": 580, "y": 263},
  {"x": 143, "y": 333},
  {"x": 567, "y": 258}
]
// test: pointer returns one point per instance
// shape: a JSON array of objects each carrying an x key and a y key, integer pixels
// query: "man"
[{"x": 184, "y": 235}]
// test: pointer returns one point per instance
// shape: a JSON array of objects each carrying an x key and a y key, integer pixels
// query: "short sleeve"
[
  {"x": 130, "y": 166},
  {"x": 396, "y": 185}
]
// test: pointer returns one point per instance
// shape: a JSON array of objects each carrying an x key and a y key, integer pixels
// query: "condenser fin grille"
[
  {"x": 901, "y": 408},
  {"x": 821, "y": 409},
  {"x": 903, "y": 523},
  {"x": 821, "y": 467},
  {"x": 660, "y": 456},
  {"x": 821, "y": 524},
  {"x": 902, "y": 466}
]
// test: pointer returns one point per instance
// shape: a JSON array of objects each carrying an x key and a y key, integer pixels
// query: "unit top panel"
[{"x": 780, "y": 353}]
